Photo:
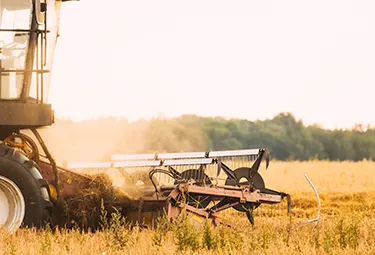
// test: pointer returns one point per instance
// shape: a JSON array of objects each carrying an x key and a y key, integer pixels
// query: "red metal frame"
[{"x": 170, "y": 202}]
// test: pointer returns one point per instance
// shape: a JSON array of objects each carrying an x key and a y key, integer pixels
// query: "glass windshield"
[
  {"x": 53, "y": 10},
  {"x": 13, "y": 45}
]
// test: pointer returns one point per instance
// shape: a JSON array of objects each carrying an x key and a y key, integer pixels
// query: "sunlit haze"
[{"x": 245, "y": 59}]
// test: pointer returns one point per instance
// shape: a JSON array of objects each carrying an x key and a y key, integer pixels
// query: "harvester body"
[{"x": 32, "y": 186}]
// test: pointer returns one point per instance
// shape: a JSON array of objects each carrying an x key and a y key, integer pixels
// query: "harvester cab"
[
  {"x": 33, "y": 187},
  {"x": 27, "y": 44}
]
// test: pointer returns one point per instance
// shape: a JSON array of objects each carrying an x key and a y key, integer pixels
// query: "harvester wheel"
[
  {"x": 24, "y": 194},
  {"x": 201, "y": 179},
  {"x": 246, "y": 177}
]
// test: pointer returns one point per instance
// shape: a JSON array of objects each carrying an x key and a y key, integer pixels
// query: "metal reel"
[
  {"x": 201, "y": 179},
  {"x": 247, "y": 177}
]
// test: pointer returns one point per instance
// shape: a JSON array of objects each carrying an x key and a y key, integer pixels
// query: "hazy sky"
[{"x": 246, "y": 59}]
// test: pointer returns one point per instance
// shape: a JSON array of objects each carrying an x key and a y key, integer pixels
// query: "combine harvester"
[{"x": 32, "y": 185}]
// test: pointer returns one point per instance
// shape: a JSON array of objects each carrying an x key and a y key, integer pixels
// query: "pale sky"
[{"x": 246, "y": 59}]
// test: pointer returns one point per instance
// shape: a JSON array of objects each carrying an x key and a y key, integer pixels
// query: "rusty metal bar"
[
  {"x": 248, "y": 196},
  {"x": 226, "y": 206}
]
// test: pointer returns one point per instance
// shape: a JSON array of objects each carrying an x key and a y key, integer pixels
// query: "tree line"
[{"x": 285, "y": 137}]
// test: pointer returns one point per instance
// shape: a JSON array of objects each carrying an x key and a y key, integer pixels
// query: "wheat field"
[{"x": 347, "y": 224}]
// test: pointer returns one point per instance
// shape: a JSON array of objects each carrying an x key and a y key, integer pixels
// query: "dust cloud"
[{"x": 96, "y": 140}]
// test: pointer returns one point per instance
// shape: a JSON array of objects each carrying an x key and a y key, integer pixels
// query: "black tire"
[{"x": 26, "y": 175}]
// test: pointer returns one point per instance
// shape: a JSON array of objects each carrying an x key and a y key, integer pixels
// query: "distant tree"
[{"x": 285, "y": 136}]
